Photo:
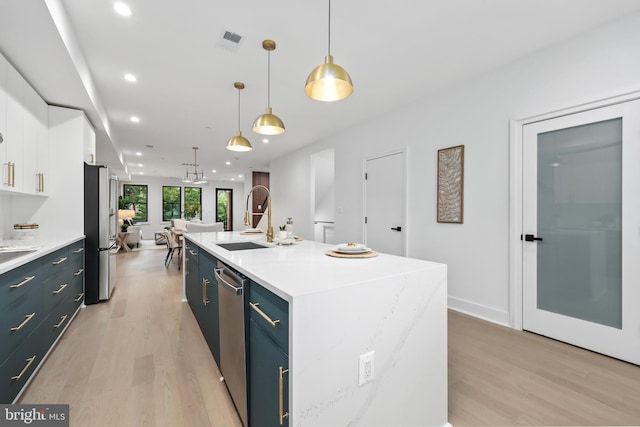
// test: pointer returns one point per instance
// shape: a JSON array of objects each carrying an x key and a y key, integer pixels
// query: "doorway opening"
[{"x": 224, "y": 207}]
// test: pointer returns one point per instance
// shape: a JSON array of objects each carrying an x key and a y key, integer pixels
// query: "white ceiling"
[{"x": 395, "y": 51}]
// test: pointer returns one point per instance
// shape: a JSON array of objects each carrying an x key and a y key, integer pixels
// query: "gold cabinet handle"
[
  {"x": 42, "y": 183},
  {"x": 281, "y": 413},
  {"x": 255, "y": 305},
  {"x": 60, "y": 289},
  {"x": 79, "y": 272},
  {"x": 205, "y": 300},
  {"x": 24, "y": 282},
  {"x": 62, "y": 319},
  {"x": 8, "y": 174},
  {"x": 24, "y": 322},
  {"x": 79, "y": 297},
  {"x": 25, "y": 369},
  {"x": 60, "y": 261},
  {"x": 77, "y": 251},
  {"x": 193, "y": 253}
]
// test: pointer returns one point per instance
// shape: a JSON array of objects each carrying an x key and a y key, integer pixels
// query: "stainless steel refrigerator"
[{"x": 100, "y": 229}]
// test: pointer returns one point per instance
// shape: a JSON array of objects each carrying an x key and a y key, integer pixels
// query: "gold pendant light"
[
  {"x": 329, "y": 81},
  {"x": 239, "y": 142},
  {"x": 268, "y": 123}
]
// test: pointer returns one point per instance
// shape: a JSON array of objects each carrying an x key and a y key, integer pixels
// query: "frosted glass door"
[{"x": 581, "y": 220}]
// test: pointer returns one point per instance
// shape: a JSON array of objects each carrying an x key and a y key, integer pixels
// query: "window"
[
  {"x": 171, "y": 198},
  {"x": 135, "y": 197},
  {"x": 193, "y": 203},
  {"x": 224, "y": 202}
]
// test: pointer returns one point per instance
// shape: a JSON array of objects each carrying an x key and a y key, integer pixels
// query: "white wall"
[
  {"x": 155, "y": 223},
  {"x": 476, "y": 113}
]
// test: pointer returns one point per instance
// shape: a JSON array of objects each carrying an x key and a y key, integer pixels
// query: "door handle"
[
  {"x": 531, "y": 238},
  {"x": 396, "y": 228}
]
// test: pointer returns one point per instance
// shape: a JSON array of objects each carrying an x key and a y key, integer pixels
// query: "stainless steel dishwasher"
[{"x": 232, "y": 352}]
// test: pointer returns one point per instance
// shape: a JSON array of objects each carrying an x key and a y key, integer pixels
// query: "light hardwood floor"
[
  {"x": 137, "y": 360},
  {"x": 140, "y": 360},
  {"x": 502, "y": 377}
]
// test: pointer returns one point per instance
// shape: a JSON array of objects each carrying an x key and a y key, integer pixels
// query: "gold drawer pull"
[
  {"x": 79, "y": 272},
  {"x": 62, "y": 319},
  {"x": 205, "y": 300},
  {"x": 8, "y": 183},
  {"x": 60, "y": 261},
  {"x": 60, "y": 289},
  {"x": 25, "y": 369},
  {"x": 79, "y": 297},
  {"x": 77, "y": 251},
  {"x": 193, "y": 253},
  {"x": 24, "y": 282},
  {"x": 281, "y": 412},
  {"x": 273, "y": 323},
  {"x": 13, "y": 174},
  {"x": 24, "y": 322}
]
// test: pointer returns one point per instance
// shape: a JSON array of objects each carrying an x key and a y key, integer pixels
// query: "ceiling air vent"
[
  {"x": 230, "y": 40},
  {"x": 232, "y": 37}
]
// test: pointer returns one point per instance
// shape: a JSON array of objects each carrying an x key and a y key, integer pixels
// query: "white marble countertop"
[
  {"x": 303, "y": 268},
  {"x": 42, "y": 247}
]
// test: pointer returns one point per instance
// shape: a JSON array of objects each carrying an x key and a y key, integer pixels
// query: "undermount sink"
[{"x": 241, "y": 246}]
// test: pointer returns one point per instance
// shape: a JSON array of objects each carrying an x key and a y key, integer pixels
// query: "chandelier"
[{"x": 195, "y": 177}]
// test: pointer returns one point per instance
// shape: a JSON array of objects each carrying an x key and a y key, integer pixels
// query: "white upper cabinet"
[
  {"x": 36, "y": 143},
  {"x": 13, "y": 167},
  {"x": 24, "y": 124},
  {"x": 3, "y": 121}
]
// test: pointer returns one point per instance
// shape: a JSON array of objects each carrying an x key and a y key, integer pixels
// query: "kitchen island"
[{"x": 339, "y": 310}]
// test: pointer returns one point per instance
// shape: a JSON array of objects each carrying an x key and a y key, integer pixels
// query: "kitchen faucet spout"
[{"x": 247, "y": 214}]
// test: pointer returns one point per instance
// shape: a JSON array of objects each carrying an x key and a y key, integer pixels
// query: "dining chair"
[{"x": 172, "y": 245}]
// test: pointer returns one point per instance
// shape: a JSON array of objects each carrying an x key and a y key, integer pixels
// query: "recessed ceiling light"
[
  {"x": 213, "y": 170},
  {"x": 265, "y": 140},
  {"x": 130, "y": 77},
  {"x": 139, "y": 165},
  {"x": 233, "y": 179},
  {"x": 141, "y": 173},
  {"x": 138, "y": 154},
  {"x": 135, "y": 119},
  {"x": 227, "y": 163},
  {"x": 122, "y": 8}
]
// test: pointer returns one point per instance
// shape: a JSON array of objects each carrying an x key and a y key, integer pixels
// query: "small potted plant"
[{"x": 282, "y": 233}]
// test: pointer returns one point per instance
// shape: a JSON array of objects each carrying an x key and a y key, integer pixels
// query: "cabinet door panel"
[
  {"x": 266, "y": 388},
  {"x": 14, "y": 137}
]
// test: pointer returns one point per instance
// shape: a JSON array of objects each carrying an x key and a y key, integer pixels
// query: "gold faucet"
[{"x": 247, "y": 214}]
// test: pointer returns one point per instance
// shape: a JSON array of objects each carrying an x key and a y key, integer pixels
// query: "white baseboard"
[{"x": 484, "y": 312}]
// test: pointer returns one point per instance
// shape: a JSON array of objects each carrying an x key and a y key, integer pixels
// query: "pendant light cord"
[
  {"x": 238, "y": 110},
  {"x": 269, "y": 79},
  {"x": 329, "y": 32}
]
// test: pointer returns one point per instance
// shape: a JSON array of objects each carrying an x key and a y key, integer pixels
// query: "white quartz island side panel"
[{"x": 340, "y": 309}]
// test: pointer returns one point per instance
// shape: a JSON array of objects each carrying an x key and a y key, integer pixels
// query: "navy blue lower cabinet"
[
  {"x": 202, "y": 293},
  {"x": 267, "y": 381},
  {"x": 37, "y": 302},
  {"x": 268, "y": 358}
]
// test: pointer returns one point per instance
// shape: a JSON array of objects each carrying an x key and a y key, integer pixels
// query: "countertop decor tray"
[{"x": 369, "y": 254}]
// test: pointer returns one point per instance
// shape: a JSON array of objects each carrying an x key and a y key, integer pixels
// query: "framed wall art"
[{"x": 451, "y": 184}]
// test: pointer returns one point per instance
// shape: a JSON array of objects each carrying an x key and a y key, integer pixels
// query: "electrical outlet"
[{"x": 365, "y": 372}]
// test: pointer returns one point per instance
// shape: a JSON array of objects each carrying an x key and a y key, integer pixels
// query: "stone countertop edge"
[
  {"x": 43, "y": 248},
  {"x": 303, "y": 268}
]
